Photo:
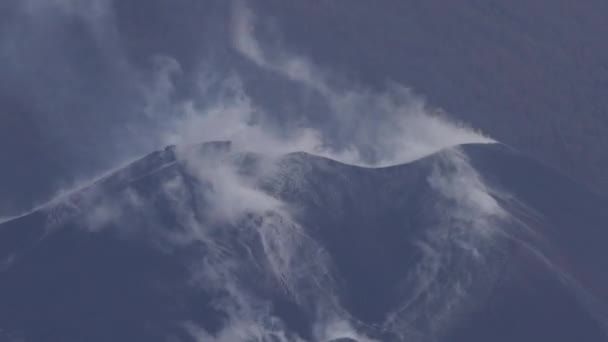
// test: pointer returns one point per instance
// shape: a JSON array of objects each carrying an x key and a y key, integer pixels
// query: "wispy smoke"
[
  {"x": 247, "y": 233},
  {"x": 359, "y": 126}
]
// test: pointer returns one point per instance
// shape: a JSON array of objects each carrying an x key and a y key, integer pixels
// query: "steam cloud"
[
  {"x": 370, "y": 128},
  {"x": 359, "y": 126}
]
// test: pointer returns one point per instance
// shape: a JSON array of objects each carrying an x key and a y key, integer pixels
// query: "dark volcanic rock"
[{"x": 476, "y": 243}]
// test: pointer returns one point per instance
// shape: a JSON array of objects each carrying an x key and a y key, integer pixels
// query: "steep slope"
[{"x": 202, "y": 243}]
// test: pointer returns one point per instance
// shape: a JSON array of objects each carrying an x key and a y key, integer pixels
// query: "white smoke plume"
[
  {"x": 381, "y": 128},
  {"x": 364, "y": 127}
]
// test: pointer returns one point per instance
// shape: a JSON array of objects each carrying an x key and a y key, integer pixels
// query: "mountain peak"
[{"x": 320, "y": 249}]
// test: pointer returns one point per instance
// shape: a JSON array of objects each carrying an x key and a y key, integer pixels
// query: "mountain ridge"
[{"x": 302, "y": 240}]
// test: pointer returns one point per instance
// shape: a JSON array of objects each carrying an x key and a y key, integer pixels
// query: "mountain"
[{"x": 212, "y": 243}]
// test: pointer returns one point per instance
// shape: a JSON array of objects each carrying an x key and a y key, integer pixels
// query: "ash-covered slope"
[{"x": 205, "y": 243}]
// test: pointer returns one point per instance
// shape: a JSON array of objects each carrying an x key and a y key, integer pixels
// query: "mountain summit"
[{"x": 212, "y": 243}]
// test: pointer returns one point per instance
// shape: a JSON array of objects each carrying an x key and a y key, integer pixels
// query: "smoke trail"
[{"x": 246, "y": 233}]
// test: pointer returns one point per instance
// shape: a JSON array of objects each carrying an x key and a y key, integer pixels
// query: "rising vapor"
[
  {"x": 218, "y": 205},
  {"x": 366, "y": 127}
]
